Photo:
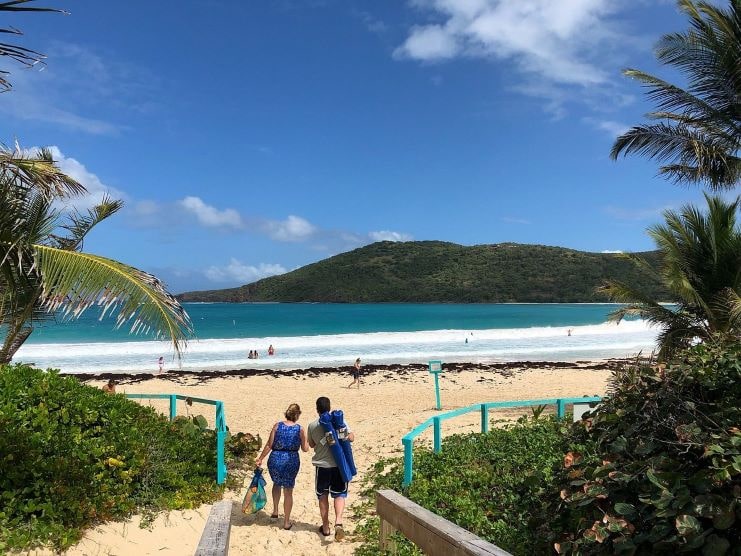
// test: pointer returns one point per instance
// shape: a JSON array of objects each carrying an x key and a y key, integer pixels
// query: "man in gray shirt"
[{"x": 328, "y": 479}]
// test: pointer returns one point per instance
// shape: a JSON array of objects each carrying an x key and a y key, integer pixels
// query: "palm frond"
[
  {"x": 24, "y": 56},
  {"x": 36, "y": 170},
  {"x": 694, "y": 155},
  {"x": 637, "y": 303},
  {"x": 80, "y": 224},
  {"x": 676, "y": 100},
  {"x": 73, "y": 282},
  {"x": 700, "y": 137}
]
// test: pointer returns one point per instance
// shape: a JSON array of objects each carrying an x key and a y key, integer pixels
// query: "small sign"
[
  {"x": 580, "y": 409},
  {"x": 436, "y": 367}
]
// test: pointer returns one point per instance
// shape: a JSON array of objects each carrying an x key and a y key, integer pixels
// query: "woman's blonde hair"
[{"x": 293, "y": 412}]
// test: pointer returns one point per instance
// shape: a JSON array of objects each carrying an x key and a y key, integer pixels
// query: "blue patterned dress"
[{"x": 284, "y": 462}]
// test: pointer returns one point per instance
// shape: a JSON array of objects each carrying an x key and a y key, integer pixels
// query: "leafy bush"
[
  {"x": 656, "y": 469},
  {"x": 72, "y": 456},
  {"x": 662, "y": 473},
  {"x": 489, "y": 484}
]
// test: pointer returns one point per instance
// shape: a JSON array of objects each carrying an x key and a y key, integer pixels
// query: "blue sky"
[{"x": 251, "y": 138}]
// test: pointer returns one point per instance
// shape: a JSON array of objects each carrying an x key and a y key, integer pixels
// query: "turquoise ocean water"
[{"x": 306, "y": 335}]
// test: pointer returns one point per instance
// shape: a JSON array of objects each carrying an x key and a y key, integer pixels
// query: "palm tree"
[
  {"x": 45, "y": 274},
  {"x": 701, "y": 268},
  {"x": 24, "y": 56},
  {"x": 698, "y": 136}
]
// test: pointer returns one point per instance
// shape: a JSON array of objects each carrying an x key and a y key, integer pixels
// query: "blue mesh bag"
[{"x": 255, "y": 497}]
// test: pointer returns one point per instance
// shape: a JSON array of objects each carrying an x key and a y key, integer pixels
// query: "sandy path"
[{"x": 380, "y": 413}]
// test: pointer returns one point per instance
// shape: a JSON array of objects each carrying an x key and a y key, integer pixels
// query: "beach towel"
[
  {"x": 325, "y": 419},
  {"x": 338, "y": 421},
  {"x": 255, "y": 497}
]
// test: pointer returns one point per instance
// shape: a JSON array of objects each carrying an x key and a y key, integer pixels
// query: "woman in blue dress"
[{"x": 283, "y": 445}]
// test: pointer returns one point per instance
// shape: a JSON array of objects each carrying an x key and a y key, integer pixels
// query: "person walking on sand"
[
  {"x": 161, "y": 363},
  {"x": 328, "y": 480},
  {"x": 283, "y": 444},
  {"x": 355, "y": 374}
]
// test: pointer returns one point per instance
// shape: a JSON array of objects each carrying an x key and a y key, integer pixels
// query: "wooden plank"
[
  {"x": 215, "y": 537},
  {"x": 385, "y": 530},
  {"x": 482, "y": 548},
  {"x": 433, "y": 534}
]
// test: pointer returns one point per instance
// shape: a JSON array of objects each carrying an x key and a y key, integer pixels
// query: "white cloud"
[
  {"x": 96, "y": 189},
  {"x": 553, "y": 45},
  {"x": 146, "y": 208},
  {"x": 386, "y": 235},
  {"x": 429, "y": 43},
  {"x": 621, "y": 213},
  {"x": 372, "y": 23},
  {"x": 544, "y": 37},
  {"x": 210, "y": 216},
  {"x": 237, "y": 271},
  {"x": 293, "y": 228},
  {"x": 611, "y": 251},
  {"x": 55, "y": 95},
  {"x": 613, "y": 129},
  {"x": 512, "y": 220}
]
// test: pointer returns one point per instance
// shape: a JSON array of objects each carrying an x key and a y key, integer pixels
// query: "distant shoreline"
[{"x": 505, "y": 369}]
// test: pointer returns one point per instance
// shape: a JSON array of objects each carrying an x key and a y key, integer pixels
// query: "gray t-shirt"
[{"x": 322, "y": 453}]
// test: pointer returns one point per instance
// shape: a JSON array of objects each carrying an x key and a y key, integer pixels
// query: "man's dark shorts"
[{"x": 329, "y": 480}]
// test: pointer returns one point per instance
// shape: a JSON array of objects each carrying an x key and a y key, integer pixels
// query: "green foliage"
[
  {"x": 43, "y": 270},
  {"x": 662, "y": 471},
  {"x": 695, "y": 130},
  {"x": 655, "y": 469},
  {"x": 243, "y": 444},
  {"x": 489, "y": 484},
  {"x": 435, "y": 271},
  {"x": 701, "y": 267},
  {"x": 72, "y": 456}
]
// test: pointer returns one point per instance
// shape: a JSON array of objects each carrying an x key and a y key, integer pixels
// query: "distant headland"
[{"x": 441, "y": 272}]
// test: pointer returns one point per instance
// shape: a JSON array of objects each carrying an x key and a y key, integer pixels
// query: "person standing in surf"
[
  {"x": 355, "y": 374},
  {"x": 328, "y": 480}
]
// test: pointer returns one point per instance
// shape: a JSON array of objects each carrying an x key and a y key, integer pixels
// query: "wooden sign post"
[{"x": 436, "y": 367}]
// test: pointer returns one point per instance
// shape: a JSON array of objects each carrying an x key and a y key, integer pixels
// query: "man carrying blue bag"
[{"x": 333, "y": 463}]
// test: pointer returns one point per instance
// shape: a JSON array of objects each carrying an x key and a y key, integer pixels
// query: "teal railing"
[
  {"x": 436, "y": 424},
  {"x": 219, "y": 425}
]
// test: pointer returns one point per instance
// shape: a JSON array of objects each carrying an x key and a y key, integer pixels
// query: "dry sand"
[{"x": 388, "y": 404}]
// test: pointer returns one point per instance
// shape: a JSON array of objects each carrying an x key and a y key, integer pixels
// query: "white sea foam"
[{"x": 547, "y": 343}]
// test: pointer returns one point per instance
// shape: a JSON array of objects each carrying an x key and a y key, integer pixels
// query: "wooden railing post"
[
  {"x": 408, "y": 460},
  {"x": 437, "y": 436},
  {"x": 220, "y": 440},
  {"x": 560, "y": 408},
  {"x": 385, "y": 531},
  {"x": 484, "y": 418}
]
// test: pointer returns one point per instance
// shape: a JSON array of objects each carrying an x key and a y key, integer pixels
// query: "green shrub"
[
  {"x": 490, "y": 484},
  {"x": 663, "y": 473},
  {"x": 656, "y": 469},
  {"x": 72, "y": 456}
]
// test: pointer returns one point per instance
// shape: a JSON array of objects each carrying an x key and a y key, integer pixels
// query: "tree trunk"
[{"x": 13, "y": 342}]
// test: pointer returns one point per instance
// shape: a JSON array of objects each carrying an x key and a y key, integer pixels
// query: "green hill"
[{"x": 435, "y": 271}]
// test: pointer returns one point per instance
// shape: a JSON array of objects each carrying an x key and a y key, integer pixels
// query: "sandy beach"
[{"x": 389, "y": 403}]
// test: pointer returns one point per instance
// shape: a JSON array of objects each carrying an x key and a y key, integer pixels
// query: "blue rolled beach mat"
[
  {"x": 325, "y": 419},
  {"x": 338, "y": 420}
]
